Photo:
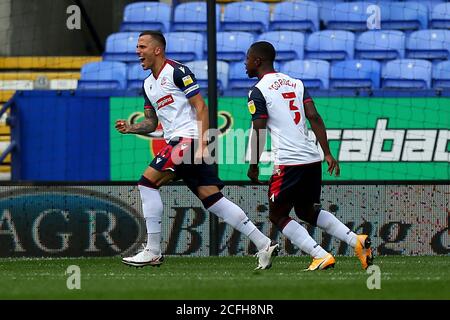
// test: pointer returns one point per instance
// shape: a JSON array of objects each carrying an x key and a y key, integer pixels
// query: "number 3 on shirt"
[{"x": 295, "y": 112}]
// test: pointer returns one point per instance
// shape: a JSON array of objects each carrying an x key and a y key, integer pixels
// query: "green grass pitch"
[{"x": 207, "y": 278}]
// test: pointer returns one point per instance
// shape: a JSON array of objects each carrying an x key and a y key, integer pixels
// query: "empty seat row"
[
  {"x": 296, "y": 15},
  {"x": 363, "y": 15},
  {"x": 402, "y": 73},
  {"x": 107, "y": 75},
  {"x": 324, "y": 45},
  {"x": 157, "y": 16},
  {"x": 316, "y": 74}
]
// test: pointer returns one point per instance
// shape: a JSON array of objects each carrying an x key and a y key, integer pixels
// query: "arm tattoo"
[{"x": 147, "y": 125}]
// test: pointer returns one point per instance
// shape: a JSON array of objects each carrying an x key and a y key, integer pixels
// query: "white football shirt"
[
  {"x": 279, "y": 99},
  {"x": 168, "y": 93}
]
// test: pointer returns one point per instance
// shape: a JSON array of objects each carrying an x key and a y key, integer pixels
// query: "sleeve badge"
[
  {"x": 251, "y": 107},
  {"x": 187, "y": 80}
]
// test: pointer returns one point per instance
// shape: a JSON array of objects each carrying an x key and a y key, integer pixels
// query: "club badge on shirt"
[
  {"x": 164, "y": 81},
  {"x": 251, "y": 107},
  {"x": 187, "y": 80}
]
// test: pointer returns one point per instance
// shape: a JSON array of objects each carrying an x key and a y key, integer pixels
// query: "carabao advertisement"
[{"x": 402, "y": 138}]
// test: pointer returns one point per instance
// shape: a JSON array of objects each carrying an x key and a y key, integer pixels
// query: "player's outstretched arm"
[
  {"x": 318, "y": 127},
  {"x": 146, "y": 126}
]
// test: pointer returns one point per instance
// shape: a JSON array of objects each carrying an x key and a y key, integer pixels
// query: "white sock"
[
  {"x": 259, "y": 239},
  {"x": 301, "y": 238},
  {"x": 235, "y": 216},
  {"x": 153, "y": 209},
  {"x": 154, "y": 242},
  {"x": 336, "y": 228}
]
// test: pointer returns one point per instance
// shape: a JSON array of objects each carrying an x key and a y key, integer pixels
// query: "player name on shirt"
[
  {"x": 280, "y": 99},
  {"x": 282, "y": 82}
]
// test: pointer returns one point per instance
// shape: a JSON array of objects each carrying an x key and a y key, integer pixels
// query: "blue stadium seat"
[
  {"x": 403, "y": 15},
  {"x": 440, "y": 16},
  {"x": 141, "y": 16},
  {"x": 246, "y": 16},
  {"x": 233, "y": 46},
  {"x": 103, "y": 75},
  {"x": 238, "y": 78},
  {"x": 191, "y": 16},
  {"x": 355, "y": 74},
  {"x": 380, "y": 45},
  {"x": 200, "y": 69},
  {"x": 121, "y": 47},
  {"x": 288, "y": 44},
  {"x": 441, "y": 75},
  {"x": 429, "y": 3},
  {"x": 406, "y": 73},
  {"x": 330, "y": 45},
  {"x": 326, "y": 8},
  {"x": 295, "y": 16},
  {"x": 350, "y": 16},
  {"x": 136, "y": 75},
  {"x": 315, "y": 74},
  {"x": 184, "y": 46},
  {"x": 428, "y": 44}
]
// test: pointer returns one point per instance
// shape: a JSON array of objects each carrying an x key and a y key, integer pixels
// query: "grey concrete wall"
[
  {"x": 5, "y": 30},
  {"x": 38, "y": 27}
]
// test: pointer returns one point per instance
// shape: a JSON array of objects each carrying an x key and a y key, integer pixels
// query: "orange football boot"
[
  {"x": 363, "y": 250},
  {"x": 322, "y": 263}
]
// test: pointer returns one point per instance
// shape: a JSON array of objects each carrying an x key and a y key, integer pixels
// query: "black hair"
[
  {"x": 158, "y": 36},
  {"x": 264, "y": 50}
]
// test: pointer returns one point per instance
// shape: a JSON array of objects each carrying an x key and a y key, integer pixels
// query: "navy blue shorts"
[{"x": 178, "y": 157}]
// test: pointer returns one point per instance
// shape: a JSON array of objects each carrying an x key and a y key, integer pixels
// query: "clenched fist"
[{"x": 123, "y": 126}]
